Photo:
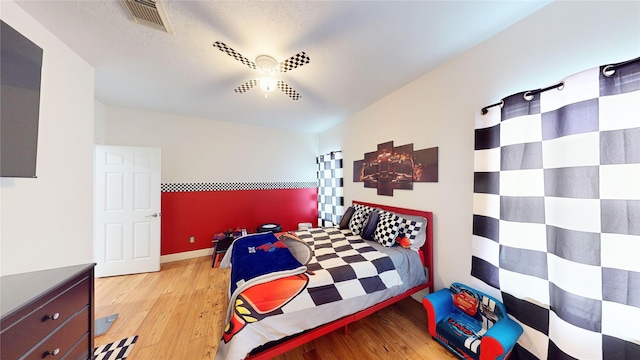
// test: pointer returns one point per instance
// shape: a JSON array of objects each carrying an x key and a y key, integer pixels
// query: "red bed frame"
[{"x": 427, "y": 256}]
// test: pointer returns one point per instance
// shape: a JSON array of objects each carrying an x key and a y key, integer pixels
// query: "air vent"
[{"x": 147, "y": 12}]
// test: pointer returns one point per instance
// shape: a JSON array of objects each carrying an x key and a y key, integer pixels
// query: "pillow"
[
  {"x": 403, "y": 241},
  {"x": 415, "y": 229},
  {"x": 370, "y": 225},
  {"x": 357, "y": 222},
  {"x": 346, "y": 218},
  {"x": 364, "y": 208},
  {"x": 387, "y": 229}
]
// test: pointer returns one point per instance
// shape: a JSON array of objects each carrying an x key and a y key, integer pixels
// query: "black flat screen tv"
[{"x": 20, "y": 77}]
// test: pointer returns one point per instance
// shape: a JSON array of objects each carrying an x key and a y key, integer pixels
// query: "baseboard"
[
  {"x": 420, "y": 294},
  {"x": 185, "y": 255}
]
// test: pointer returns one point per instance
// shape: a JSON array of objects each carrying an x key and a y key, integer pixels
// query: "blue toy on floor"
[{"x": 470, "y": 323}]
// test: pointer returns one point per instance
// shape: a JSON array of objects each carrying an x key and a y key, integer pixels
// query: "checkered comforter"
[{"x": 343, "y": 267}]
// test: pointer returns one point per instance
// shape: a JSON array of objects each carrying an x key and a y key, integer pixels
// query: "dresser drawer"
[
  {"x": 63, "y": 339},
  {"x": 46, "y": 317},
  {"x": 80, "y": 350}
]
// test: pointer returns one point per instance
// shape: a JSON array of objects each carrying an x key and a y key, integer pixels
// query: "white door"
[{"x": 126, "y": 210}]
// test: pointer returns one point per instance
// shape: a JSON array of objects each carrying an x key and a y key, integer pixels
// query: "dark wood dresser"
[{"x": 48, "y": 314}]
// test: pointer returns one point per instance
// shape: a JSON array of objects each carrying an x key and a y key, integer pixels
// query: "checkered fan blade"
[
  {"x": 246, "y": 86},
  {"x": 295, "y": 61},
  {"x": 288, "y": 90},
  {"x": 234, "y": 54}
]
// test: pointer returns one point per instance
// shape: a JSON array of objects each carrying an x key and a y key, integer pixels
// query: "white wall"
[
  {"x": 203, "y": 150},
  {"x": 47, "y": 222},
  {"x": 439, "y": 108},
  {"x": 99, "y": 122}
]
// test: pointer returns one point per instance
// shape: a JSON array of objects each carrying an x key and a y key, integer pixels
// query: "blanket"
[
  {"x": 346, "y": 274},
  {"x": 349, "y": 265},
  {"x": 257, "y": 259}
]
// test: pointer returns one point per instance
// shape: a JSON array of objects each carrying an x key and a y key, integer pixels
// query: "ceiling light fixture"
[
  {"x": 268, "y": 69},
  {"x": 268, "y": 83}
]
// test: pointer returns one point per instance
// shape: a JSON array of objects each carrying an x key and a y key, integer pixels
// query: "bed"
[{"x": 277, "y": 303}]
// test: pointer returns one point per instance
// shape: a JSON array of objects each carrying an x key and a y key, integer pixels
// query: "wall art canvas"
[{"x": 396, "y": 167}]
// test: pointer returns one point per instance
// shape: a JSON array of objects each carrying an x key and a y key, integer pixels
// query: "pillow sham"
[
  {"x": 346, "y": 218},
  {"x": 387, "y": 229},
  {"x": 414, "y": 227},
  {"x": 364, "y": 208},
  {"x": 356, "y": 224},
  {"x": 370, "y": 225}
]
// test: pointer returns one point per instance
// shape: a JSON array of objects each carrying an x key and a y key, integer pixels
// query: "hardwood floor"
[{"x": 178, "y": 314}]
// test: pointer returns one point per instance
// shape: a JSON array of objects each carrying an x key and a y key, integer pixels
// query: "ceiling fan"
[{"x": 268, "y": 68}]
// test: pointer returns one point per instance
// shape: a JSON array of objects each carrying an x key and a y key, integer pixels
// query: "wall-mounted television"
[{"x": 20, "y": 71}]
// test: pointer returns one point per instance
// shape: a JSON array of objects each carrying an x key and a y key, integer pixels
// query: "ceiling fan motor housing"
[{"x": 266, "y": 64}]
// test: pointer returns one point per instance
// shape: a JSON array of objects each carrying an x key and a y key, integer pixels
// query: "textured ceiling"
[{"x": 360, "y": 52}]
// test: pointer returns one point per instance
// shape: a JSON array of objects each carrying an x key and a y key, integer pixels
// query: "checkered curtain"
[
  {"x": 556, "y": 214},
  {"x": 330, "y": 189}
]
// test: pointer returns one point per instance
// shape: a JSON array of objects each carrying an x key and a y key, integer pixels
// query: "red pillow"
[{"x": 404, "y": 242}]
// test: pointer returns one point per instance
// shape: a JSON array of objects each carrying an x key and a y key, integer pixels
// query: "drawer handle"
[
  {"x": 53, "y": 352},
  {"x": 52, "y": 317}
]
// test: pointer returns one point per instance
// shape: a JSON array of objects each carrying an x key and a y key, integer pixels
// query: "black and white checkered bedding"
[
  {"x": 349, "y": 275},
  {"x": 345, "y": 266}
]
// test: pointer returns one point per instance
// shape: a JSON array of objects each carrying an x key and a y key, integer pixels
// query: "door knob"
[{"x": 153, "y": 215}]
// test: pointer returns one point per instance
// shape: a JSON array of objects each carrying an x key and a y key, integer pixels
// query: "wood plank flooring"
[{"x": 178, "y": 314}]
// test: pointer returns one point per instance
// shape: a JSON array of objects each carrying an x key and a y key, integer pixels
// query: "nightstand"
[{"x": 220, "y": 247}]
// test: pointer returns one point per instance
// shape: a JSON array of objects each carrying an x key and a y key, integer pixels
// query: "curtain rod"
[
  {"x": 610, "y": 69},
  {"x": 485, "y": 109},
  {"x": 528, "y": 95}
]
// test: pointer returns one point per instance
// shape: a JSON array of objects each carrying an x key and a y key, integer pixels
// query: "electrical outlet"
[{"x": 192, "y": 239}]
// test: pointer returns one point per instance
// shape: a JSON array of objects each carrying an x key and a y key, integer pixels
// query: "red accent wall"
[{"x": 204, "y": 213}]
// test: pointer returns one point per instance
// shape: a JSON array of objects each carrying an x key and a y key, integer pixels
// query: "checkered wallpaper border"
[{"x": 191, "y": 187}]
